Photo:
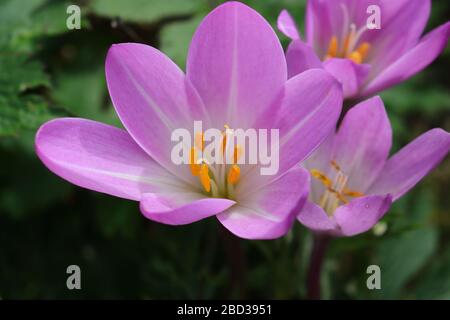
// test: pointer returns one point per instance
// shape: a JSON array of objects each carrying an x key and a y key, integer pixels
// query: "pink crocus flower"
[
  {"x": 365, "y": 60},
  {"x": 354, "y": 182},
  {"x": 237, "y": 77}
]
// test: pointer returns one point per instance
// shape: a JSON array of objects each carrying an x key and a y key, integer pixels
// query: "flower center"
[
  {"x": 216, "y": 179},
  {"x": 349, "y": 46},
  {"x": 336, "y": 191}
]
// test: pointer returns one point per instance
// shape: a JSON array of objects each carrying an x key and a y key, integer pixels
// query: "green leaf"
[
  {"x": 400, "y": 257},
  {"x": 20, "y": 108},
  {"x": 176, "y": 37},
  {"x": 82, "y": 93},
  {"x": 51, "y": 18},
  {"x": 436, "y": 283},
  {"x": 144, "y": 10}
]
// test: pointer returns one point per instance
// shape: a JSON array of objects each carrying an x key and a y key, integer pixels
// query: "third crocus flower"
[
  {"x": 354, "y": 182},
  {"x": 365, "y": 59}
]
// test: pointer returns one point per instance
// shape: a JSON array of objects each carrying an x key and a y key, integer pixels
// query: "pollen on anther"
[
  {"x": 204, "y": 177},
  {"x": 233, "y": 174}
]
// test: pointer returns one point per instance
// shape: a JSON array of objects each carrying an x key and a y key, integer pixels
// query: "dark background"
[{"x": 47, "y": 224}]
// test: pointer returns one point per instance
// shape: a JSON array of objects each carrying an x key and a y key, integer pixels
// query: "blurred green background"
[{"x": 46, "y": 224}]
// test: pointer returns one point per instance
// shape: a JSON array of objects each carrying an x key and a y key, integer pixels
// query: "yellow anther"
[
  {"x": 204, "y": 177},
  {"x": 332, "y": 48},
  {"x": 341, "y": 197},
  {"x": 233, "y": 174},
  {"x": 346, "y": 45},
  {"x": 356, "y": 57},
  {"x": 321, "y": 177},
  {"x": 224, "y": 139},
  {"x": 363, "y": 49},
  {"x": 199, "y": 141},
  {"x": 335, "y": 165},
  {"x": 352, "y": 193},
  {"x": 237, "y": 153},
  {"x": 195, "y": 168},
  {"x": 224, "y": 143}
]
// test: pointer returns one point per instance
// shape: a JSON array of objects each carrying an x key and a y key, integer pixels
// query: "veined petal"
[
  {"x": 99, "y": 157},
  {"x": 320, "y": 160},
  {"x": 307, "y": 112},
  {"x": 402, "y": 24},
  {"x": 179, "y": 208},
  {"x": 413, "y": 61},
  {"x": 363, "y": 142},
  {"x": 322, "y": 21},
  {"x": 267, "y": 212},
  {"x": 237, "y": 64},
  {"x": 287, "y": 25},
  {"x": 300, "y": 57},
  {"x": 361, "y": 214},
  {"x": 349, "y": 74},
  {"x": 315, "y": 218},
  {"x": 405, "y": 169},
  {"x": 152, "y": 98}
]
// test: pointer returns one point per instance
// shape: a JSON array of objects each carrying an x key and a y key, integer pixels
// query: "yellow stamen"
[
  {"x": 363, "y": 49},
  {"x": 336, "y": 192},
  {"x": 237, "y": 153},
  {"x": 199, "y": 141},
  {"x": 356, "y": 57},
  {"x": 322, "y": 177},
  {"x": 352, "y": 193},
  {"x": 346, "y": 45},
  {"x": 195, "y": 168},
  {"x": 332, "y": 48},
  {"x": 224, "y": 139},
  {"x": 335, "y": 165},
  {"x": 233, "y": 174},
  {"x": 204, "y": 177},
  {"x": 341, "y": 197}
]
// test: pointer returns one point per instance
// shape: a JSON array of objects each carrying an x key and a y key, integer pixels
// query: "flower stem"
[
  {"x": 237, "y": 260},
  {"x": 320, "y": 245}
]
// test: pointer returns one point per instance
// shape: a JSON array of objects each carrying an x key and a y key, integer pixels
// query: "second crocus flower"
[{"x": 364, "y": 60}]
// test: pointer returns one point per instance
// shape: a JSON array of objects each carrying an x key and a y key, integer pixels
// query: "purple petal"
[
  {"x": 315, "y": 218},
  {"x": 361, "y": 214},
  {"x": 236, "y": 63},
  {"x": 363, "y": 142},
  {"x": 349, "y": 74},
  {"x": 99, "y": 157},
  {"x": 152, "y": 98},
  {"x": 405, "y": 169},
  {"x": 402, "y": 24},
  {"x": 322, "y": 23},
  {"x": 320, "y": 160},
  {"x": 308, "y": 114},
  {"x": 287, "y": 26},
  {"x": 267, "y": 212},
  {"x": 181, "y": 208},
  {"x": 301, "y": 57},
  {"x": 412, "y": 61}
]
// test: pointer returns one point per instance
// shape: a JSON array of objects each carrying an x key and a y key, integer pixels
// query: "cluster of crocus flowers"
[
  {"x": 237, "y": 77},
  {"x": 366, "y": 59},
  {"x": 354, "y": 182}
]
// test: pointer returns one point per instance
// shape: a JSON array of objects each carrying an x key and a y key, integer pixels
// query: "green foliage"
[
  {"x": 143, "y": 10},
  {"x": 46, "y": 224}
]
